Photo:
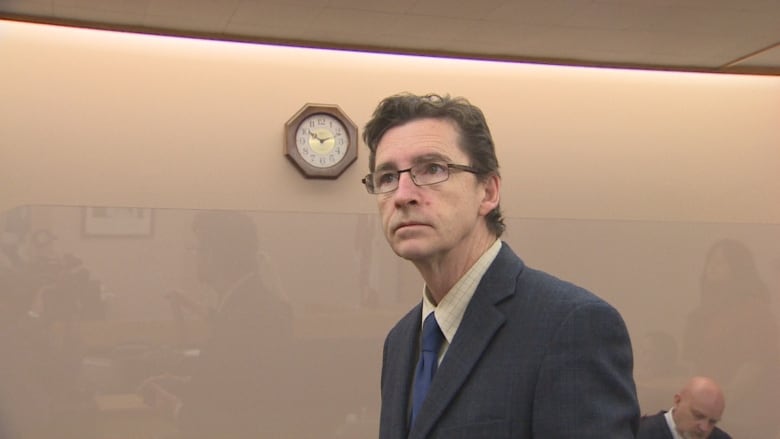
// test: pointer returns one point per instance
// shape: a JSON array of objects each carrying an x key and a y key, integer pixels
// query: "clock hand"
[{"x": 321, "y": 139}]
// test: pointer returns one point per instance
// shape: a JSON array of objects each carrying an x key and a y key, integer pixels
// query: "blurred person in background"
[
  {"x": 237, "y": 382},
  {"x": 698, "y": 406},
  {"x": 732, "y": 336}
]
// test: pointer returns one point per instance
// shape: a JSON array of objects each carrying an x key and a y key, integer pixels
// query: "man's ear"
[{"x": 492, "y": 195}]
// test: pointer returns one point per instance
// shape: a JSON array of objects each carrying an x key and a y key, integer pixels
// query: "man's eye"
[
  {"x": 386, "y": 178},
  {"x": 434, "y": 168}
]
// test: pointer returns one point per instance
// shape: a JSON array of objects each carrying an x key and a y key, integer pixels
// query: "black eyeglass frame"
[{"x": 464, "y": 168}]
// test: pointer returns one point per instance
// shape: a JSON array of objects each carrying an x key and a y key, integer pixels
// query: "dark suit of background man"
[
  {"x": 526, "y": 355},
  {"x": 697, "y": 408}
]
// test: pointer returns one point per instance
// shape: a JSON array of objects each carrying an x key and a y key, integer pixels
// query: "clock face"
[{"x": 322, "y": 140}]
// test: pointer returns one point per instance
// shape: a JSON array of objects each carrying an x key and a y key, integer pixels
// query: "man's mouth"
[{"x": 407, "y": 224}]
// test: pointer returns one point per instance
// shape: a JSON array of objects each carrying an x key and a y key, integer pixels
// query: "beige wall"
[
  {"x": 617, "y": 180},
  {"x": 97, "y": 118}
]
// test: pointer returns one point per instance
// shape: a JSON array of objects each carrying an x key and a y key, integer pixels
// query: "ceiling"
[{"x": 725, "y": 36}]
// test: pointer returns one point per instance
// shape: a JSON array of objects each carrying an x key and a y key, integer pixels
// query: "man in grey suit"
[{"x": 518, "y": 353}]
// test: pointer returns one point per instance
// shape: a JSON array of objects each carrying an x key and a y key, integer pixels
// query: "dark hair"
[{"x": 474, "y": 135}]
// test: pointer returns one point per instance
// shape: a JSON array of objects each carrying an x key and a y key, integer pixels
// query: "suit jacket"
[
  {"x": 534, "y": 357},
  {"x": 655, "y": 427}
]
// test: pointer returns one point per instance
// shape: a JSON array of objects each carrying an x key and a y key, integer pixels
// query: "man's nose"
[
  {"x": 409, "y": 178},
  {"x": 406, "y": 188}
]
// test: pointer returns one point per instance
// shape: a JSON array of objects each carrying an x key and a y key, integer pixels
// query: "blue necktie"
[{"x": 432, "y": 339}]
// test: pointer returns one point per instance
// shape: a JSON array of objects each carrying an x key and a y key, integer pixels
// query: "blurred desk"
[{"x": 125, "y": 415}]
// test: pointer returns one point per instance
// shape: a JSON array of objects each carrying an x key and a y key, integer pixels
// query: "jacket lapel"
[
  {"x": 481, "y": 321},
  {"x": 397, "y": 378}
]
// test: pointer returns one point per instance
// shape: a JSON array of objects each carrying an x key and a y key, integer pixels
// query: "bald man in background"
[{"x": 697, "y": 408}]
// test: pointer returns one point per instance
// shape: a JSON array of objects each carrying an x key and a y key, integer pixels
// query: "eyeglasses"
[{"x": 424, "y": 174}]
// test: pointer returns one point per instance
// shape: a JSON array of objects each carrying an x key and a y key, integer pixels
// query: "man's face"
[
  {"x": 430, "y": 222},
  {"x": 695, "y": 419}
]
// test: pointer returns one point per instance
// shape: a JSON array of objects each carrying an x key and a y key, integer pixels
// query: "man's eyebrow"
[
  {"x": 385, "y": 167},
  {"x": 425, "y": 158},
  {"x": 432, "y": 157},
  {"x": 701, "y": 415}
]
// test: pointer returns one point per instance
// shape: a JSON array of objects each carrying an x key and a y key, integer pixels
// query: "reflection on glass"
[
  {"x": 732, "y": 336},
  {"x": 262, "y": 323},
  {"x": 236, "y": 384}
]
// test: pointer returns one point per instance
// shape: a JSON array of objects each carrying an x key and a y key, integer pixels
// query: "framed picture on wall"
[{"x": 118, "y": 221}]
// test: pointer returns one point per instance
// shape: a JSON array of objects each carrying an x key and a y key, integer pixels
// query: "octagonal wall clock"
[{"x": 321, "y": 140}]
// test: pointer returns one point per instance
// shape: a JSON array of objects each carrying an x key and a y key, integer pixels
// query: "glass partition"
[{"x": 144, "y": 323}]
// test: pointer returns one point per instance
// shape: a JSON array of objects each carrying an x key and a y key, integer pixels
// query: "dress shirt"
[
  {"x": 449, "y": 313},
  {"x": 671, "y": 424}
]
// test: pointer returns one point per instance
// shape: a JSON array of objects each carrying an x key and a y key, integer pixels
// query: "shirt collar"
[
  {"x": 671, "y": 424},
  {"x": 449, "y": 312}
]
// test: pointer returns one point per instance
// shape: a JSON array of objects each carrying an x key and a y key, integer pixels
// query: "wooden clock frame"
[{"x": 291, "y": 148}]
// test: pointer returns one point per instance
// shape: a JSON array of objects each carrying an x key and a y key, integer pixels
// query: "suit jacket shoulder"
[
  {"x": 654, "y": 427},
  {"x": 719, "y": 434}
]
